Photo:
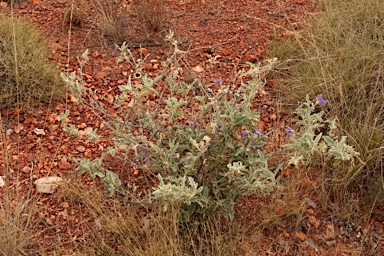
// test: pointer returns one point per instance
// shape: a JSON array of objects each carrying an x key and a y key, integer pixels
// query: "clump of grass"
[
  {"x": 26, "y": 76},
  {"x": 113, "y": 24},
  {"x": 137, "y": 229},
  {"x": 75, "y": 12},
  {"x": 340, "y": 55},
  {"x": 151, "y": 13},
  {"x": 15, "y": 222},
  {"x": 287, "y": 207},
  {"x": 13, "y": 2}
]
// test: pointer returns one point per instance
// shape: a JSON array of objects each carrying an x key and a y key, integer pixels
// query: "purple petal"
[
  {"x": 255, "y": 148},
  {"x": 116, "y": 46},
  {"x": 320, "y": 100},
  {"x": 218, "y": 81},
  {"x": 194, "y": 124},
  {"x": 288, "y": 130},
  {"x": 244, "y": 133},
  {"x": 259, "y": 132}
]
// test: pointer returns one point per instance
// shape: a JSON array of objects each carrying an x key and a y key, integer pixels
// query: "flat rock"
[
  {"x": 48, "y": 185},
  {"x": 198, "y": 69}
]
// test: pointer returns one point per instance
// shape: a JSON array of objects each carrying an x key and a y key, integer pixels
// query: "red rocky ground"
[{"x": 231, "y": 32}]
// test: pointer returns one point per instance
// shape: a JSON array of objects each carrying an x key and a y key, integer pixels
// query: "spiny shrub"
[
  {"x": 25, "y": 72},
  {"x": 204, "y": 147},
  {"x": 341, "y": 55}
]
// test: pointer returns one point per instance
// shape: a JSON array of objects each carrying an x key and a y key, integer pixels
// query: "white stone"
[
  {"x": 198, "y": 69},
  {"x": 2, "y": 181},
  {"x": 39, "y": 131},
  {"x": 9, "y": 132},
  {"x": 48, "y": 184}
]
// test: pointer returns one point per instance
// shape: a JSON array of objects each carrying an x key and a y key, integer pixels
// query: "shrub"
[
  {"x": 207, "y": 154},
  {"x": 25, "y": 72},
  {"x": 341, "y": 56}
]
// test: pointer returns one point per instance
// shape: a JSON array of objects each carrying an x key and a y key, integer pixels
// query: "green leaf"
[
  {"x": 92, "y": 136},
  {"x": 111, "y": 182},
  {"x": 84, "y": 56},
  {"x": 64, "y": 116}
]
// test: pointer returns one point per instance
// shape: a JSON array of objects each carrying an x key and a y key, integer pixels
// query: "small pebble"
[{"x": 9, "y": 132}]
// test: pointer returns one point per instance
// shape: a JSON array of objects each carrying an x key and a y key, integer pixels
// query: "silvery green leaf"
[
  {"x": 64, "y": 116},
  {"x": 111, "y": 182},
  {"x": 111, "y": 151},
  {"x": 201, "y": 99},
  {"x": 92, "y": 136},
  {"x": 72, "y": 130},
  {"x": 92, "y": 168},
  {"x": 65, "y": 78},
  {"x": 84, "y": 56},
  {"x": 340, "y": 149},
  {"x": 157, "y": 79},
  {"x": 231, "y": 215},
  {"x": 127, "y": 87}
]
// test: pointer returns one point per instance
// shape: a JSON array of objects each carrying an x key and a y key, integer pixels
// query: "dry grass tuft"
[
  {"x": 151, "y": 13},
  {"x": 75, "y": 12},
  {"x": 26, "y": 76},
  {"x": 16, "y": 237},
  {"x": 137, "y": 229},
  {"x": 113, "y": 24}
]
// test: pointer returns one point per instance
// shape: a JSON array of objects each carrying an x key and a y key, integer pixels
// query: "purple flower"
[
  {"x": 259, "y": 132},
  {"x": 288, "y": 130},
  {"x": 218, "y": 81},
  {"x": 116, "y": 46},
  {"x": 194, "y": 123},
  {"x": 186, "y": 123},
  {"x": 244, "y": 133},
  {"x": 320, "y": 100},
  {"x": 145, "y": 157},
  {"x": 218, "y": 129},
  {"x": 255, "y": 149}
]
